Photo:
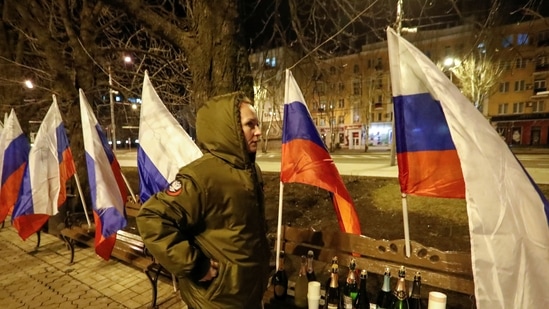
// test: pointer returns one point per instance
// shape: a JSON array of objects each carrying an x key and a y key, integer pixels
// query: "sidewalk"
[{"x": 44, "y": 278}]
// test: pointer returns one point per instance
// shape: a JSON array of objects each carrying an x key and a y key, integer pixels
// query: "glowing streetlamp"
[
  {"x": 29, "y": 84},
  {"x": 450, "y": 63}
]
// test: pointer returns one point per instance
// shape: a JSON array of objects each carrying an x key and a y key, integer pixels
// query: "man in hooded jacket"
[{"x": 208, "y": 227}]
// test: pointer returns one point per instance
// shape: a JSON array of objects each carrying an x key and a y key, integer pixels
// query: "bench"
[
  {"x": 449, "y": 272},
  {"x": 129, "y": 248}
]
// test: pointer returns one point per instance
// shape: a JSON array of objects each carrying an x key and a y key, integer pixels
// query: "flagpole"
[
  {"x": 128, "y": 185},
  {"x": 393, "y": 151},
  {"x": 279, "y": 224},
  {"x": 280, "y": 196},
  {"x": 82, "y": 198}
]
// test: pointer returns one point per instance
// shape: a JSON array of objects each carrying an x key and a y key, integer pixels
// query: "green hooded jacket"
[{"x": 214, "y": 209}]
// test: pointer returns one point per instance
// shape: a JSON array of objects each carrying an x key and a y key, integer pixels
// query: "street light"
[
  {"x": 29, "y": 84},
  {"x": 111, "y": 102},
  {"x": 450, "y": 63}
]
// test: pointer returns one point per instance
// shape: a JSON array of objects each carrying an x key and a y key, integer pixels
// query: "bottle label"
[
  {"x": 332, "y": 306},
  {"x": 279, "y": 290},
  {"x": 347, "y": 302},
  {"x": 400, "y": 294}
]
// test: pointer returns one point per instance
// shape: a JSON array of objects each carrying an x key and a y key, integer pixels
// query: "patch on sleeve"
[{"x": 174, "y": 189}]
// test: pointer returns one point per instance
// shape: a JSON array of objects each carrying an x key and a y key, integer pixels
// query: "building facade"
[{"x": 350, "y": 100}]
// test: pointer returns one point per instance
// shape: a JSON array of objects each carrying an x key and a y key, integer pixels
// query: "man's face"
[{"x": 250, "y": 126}]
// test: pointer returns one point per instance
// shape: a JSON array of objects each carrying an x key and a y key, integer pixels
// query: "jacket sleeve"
[{"x": 168, "y": 221}]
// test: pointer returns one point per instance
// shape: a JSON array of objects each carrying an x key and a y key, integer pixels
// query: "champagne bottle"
[
  {"x": 384, "y": 296},
  {"x": 350, "y": 288},
  {"x": 415, "y": 298},
  {"x": 400, "y": 293},
  {"x": 334, "y": 261},
  {"x": 362, "y": 301},
  {"x": 280, "y": 279},
  {"x": 310, "y": 270},
  {"x": 301, "y": 285},
  {"x": 332, "y": 291}
]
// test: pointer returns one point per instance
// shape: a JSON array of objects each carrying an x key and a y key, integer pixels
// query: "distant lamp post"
[
  {"x": 127, "y": 59},
  {"x": 111, "y": 102},
  {"x": 29, "y": 84}
]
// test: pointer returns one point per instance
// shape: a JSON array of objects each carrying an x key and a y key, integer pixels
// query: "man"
[{"x": 208, "y": 227}]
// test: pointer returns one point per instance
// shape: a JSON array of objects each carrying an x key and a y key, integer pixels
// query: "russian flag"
[
  {"x": 306, "y": 160},
  {"x": 107, "y": 187},
  {"x": 165, "y": 147},
  {"x": 44, "y": 183},
  {"x": 508, "y": 216},
  {"x": 14, "y": 154}
]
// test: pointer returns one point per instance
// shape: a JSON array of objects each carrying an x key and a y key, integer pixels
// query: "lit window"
[{"x": 523, "y": 39}]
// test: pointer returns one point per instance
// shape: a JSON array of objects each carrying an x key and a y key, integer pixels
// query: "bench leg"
[
  {"x": 70, "y": 245},
  {"x": 153, "y": 273},
  {"x": 37, "y": 240}
]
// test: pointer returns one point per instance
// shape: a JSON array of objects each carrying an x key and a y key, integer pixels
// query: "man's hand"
[{"x": 212, "y": 273}]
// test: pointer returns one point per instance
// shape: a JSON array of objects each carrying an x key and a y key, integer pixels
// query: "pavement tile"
[{"x": 43, "y": 278}]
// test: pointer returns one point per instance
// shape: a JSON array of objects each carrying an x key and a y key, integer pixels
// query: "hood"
[{"x": 219, "y": 131}]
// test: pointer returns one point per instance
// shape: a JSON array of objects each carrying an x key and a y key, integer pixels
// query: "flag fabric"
[
  {"x": 306, "y": 160},
  {"x": 423, "y": 144},
  {"x": 164, "y": 146},
  {"x": 14, "y": 153},
  {"x": 508, "y": 215},
  {"x": 50, "y": 166},
  {"x": 107, "y": 187}
]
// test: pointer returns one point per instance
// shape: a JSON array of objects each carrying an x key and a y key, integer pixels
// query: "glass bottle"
[
  {"x": 415, "y": 298},
  {"x": 384, "y": 296},
  {"x": 362, "y": 301},
  {"x": 332, "y": 291},
  {"x": 301, "y": 285},
  {"x": 400, "y": 293},
  {"x": 334, "y": 261},
  {"x": 310, "y": 270},
  {"x": 350, "y": 288},
  {"x": 280, "y": 279}
]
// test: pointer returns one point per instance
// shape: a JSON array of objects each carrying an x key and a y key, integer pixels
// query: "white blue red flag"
[
  {"x": 508, "y": 215},
  {"x": 44, "y": 183},
  {"x": 107, "y": 187},
  {"x": 306, "y": 160},
  {"x": 164, "y": 146},
  {"x": 14, "y": 154}
]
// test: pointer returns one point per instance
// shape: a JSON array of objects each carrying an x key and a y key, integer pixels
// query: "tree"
[{"x": 477, "y": 75}]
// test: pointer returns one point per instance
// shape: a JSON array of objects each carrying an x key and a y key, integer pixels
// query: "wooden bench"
[
  {"x": 129, "y": 248},
  {"x": 449, "y": 272}
]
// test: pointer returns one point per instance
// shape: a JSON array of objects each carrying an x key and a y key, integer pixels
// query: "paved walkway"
[{"x": 44, "y": 278}]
